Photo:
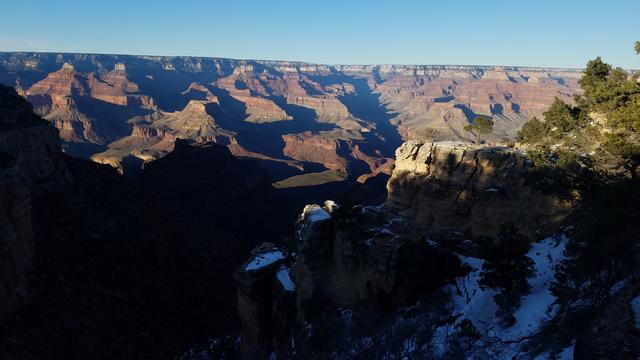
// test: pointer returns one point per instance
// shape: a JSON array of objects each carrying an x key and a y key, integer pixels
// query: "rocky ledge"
[
  {"x": 360, "y": 258},
  {"x": 471, "y": 189}
]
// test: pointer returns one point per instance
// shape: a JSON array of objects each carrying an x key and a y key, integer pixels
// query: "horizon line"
[{"x": 294, "y": 61}]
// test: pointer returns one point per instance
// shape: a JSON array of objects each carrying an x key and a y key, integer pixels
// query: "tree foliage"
[
  {"x": 563, "y": 118},
  {"x": 629, "y": 151},
  {"x": 533, "y": 131},
  {"x": 594, "y": 76},
  {"x": 592, "y": 149},
  {"x": 601, "y": 131},
  {"x": 481, "y": 125}
]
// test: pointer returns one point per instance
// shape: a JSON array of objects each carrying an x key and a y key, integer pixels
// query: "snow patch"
[
  {"x": 470, "y": 302},
  {"x": 314, "y": 213},
  {"x": 284, "y": 277},
  {"x": 263, "y": 260},
  {"x": 538, "y": 307}
]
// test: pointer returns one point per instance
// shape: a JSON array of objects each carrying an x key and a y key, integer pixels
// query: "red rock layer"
[
  {"x": 311, "y": 148},
  {"x": 258, "y": 109},
  {"x": 377, "y": 165}
]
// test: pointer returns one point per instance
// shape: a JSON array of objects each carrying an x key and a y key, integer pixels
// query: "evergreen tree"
[
  {"x": 563, "y": 118},
  {"x": 627, "y": 151},
  {"x": 533, "y": 131},
  {"x": 481, "y": 125},
  {"x": 570, "y": 135}
]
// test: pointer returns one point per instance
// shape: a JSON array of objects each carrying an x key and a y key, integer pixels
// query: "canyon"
[
  {"x": 295, "y": 118},
  {"x": 147, "y": 261}
]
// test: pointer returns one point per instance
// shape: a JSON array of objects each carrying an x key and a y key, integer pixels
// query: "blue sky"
[{"x": 535, "y": 33}]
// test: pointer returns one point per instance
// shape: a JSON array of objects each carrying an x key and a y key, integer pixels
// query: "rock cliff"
[
  {"x": 31, "y": 167},
  {"x": 365, "y": 259},
  {"x": 449, "y": 186}
]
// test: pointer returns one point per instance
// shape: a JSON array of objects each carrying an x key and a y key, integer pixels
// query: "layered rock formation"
[
  {"x": 88, "y": 107},
  {"x": 257, "y": 109},
  {"x": 144, "y": 144},
  {"x": 52, "y": 98},
  {"x": 92, "y": 99},
  {"x": 153, "y": 135},
  {"x": 449, "y": 186},
  {"x": 446, "y": 100},
  {"x": 311, "y": 148}
]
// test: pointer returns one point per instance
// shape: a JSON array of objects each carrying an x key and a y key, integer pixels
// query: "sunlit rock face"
[
  {"x": 471, "y": 189},
  {"x": 445, "y": 99}
]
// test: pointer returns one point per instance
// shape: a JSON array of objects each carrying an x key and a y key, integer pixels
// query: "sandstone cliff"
[{"x": 449, "y": 186}]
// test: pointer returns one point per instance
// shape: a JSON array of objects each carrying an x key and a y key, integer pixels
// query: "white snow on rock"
[
  {"x": 284, "y": 277},
  {"x": 567, "y": 353},
  {"x": 538, "y": 307},
  {"x": 635, "y": 305},
  {"x": 315, "y": 213},
  {"x": 331, "y": 206},
  {"x": 263, "y": 260},
  {"x": 470, "y": 302}
]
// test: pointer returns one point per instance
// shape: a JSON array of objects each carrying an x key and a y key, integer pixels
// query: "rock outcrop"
[
  {"x": 266, "y": 299},
  {"x": 115, "y": 88},
  {"x": 361, "y": 258},
  {"x": 88, "y": 107},
  {"x": 145, "y": 144},
  {"x": 312, "y": 148},
  {"x": 449, "y": 186},
  {"x": 31, "y": 166},
  {"x": 257, "y": 109},
  {"x": 153, "y": 136}
]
